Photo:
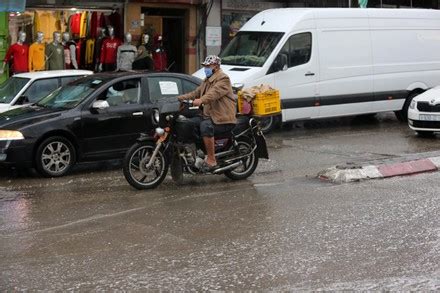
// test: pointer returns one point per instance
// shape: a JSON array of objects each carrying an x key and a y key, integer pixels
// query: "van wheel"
[
  {"x": 55, "y": 157},
  {"x": 269, "y": 123},
  {"x": 402, "y": 115}
]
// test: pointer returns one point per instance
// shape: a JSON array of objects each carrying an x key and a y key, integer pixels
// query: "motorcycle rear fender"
[{"x": 261, "y": 150}]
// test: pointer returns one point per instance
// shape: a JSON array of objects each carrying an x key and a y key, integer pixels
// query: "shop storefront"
[{"x": 175, "y": 21}]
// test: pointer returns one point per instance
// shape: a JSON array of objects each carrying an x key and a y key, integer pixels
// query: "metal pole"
[{"x": 349, "y": 3}]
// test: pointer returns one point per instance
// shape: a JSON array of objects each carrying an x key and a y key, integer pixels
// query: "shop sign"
[
  {"x": 12, "y": 5},
  {"x": 249, "y": 5},
  {"x": 213, "y": 36}
]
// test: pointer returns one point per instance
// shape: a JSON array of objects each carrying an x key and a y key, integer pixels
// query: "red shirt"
[
  {"x": 75, "y": 24},
  {"x": 109, "y": 50},
  {"x": 19, "y": 54},
  {"x": 160, "y": 60}
]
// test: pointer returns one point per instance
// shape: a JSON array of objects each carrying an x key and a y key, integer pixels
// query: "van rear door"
[{"x": 297, "y": 82}]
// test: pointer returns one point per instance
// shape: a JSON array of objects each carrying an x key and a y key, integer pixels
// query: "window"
[
  {"x": 10, "y": 88},
  {"x": 163, "y": 87},
  {"x": 300, "y": 49},
  {"x": 188, "y": 86},
  {"x": 123, "y": 93},
  {"x": 41, "y": 88},
  {"x": 67, "y": 79}
]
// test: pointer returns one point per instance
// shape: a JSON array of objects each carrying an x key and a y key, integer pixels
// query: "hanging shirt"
[
  {"x": 109, "y": 50},
  {"x": 94, "y": 25},
  {"x": 90, "y": 50},
  {"x": 47, "y": 23},
  {"x": 160, "y": 59},
  {"x": 36, "y": 57},
  {"x": 19, "y": 54},
  {"x": 75, "y": 24},
  {"x": 83, "y": 25},
  {"x": 54, "y": 56},
  {"x": 126, "y": 55}
]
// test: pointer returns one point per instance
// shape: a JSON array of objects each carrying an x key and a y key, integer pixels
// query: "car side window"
[
  {"x": 162, "y": 87},
  {"x": 300, "y": 49},
  {"x": 41, "y": 88},
  {"x": 123, "y": 93},
  {"x": 188, "y": 86}
]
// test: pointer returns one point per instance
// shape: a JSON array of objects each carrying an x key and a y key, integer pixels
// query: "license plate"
[{"x": 429, "y": 117}]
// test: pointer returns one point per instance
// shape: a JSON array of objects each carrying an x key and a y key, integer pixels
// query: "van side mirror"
[
  {"x": 22, "y": 100},
  {"x": 279, "y": 64}
]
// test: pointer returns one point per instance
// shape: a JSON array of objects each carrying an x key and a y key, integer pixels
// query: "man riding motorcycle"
[{"x": 219, "y": 107}]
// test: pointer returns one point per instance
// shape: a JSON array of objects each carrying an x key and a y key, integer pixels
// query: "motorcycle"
[{"x": 177, "y": 146}]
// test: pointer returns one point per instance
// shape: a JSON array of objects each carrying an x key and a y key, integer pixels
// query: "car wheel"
[
  {"x": 55, "y": 156},
  {"x": 425, "y": 133},
  {"x": 402, "y": 115}
]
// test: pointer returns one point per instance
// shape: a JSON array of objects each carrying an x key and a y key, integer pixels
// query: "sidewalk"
[{"x": 398, "y": 166}]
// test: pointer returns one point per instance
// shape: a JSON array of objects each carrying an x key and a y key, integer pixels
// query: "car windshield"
[
  {"x": 250, "y": 48},
  {"x": 10, "y": 88},
  {"x": 69, "y": 96}
]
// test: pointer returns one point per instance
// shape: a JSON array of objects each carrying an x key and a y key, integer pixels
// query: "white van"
[
  {"x": 24, "y": 88},
  {"x": 337, "y": 62}
]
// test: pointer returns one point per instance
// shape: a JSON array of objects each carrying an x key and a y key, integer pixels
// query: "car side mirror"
[
  {"x": 100, "y": 105},
  {"x": 22, "y": 100}
]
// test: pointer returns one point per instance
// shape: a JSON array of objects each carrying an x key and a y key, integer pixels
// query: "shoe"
[{"x": 206, "y": 168}]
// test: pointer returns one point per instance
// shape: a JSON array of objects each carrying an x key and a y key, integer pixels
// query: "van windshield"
[
  {"x": 250, "y": 48},
  {"x": 10, "y": 88}
]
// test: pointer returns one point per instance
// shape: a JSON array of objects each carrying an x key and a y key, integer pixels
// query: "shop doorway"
[{"x": 171, "y": 27}]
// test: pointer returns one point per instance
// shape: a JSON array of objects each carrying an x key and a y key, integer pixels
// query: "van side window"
[{"x": 300, "y": 49}]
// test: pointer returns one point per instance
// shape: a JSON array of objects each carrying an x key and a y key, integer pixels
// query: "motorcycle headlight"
[
  {"x": 156, "y": 116},
  {"x": 10, "y": 135},
  {"x": 413, "y": 104}
]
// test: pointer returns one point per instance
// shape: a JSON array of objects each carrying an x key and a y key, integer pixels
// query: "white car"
[
  {"x": 424, "y": 112},
  {"x": 25, "y": 88}
]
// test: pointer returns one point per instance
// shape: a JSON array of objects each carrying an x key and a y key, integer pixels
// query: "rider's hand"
[{"x": 197, "y": 102}]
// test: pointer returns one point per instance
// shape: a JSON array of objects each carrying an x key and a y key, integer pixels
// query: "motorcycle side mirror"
[{"x": 237, "y": 87}]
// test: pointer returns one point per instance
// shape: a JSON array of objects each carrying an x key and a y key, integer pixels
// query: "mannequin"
[
  {"x": 55, "y": 53},
  {"x": 160, "y": 58},
  {"x": 98, "y": 45},
  {"x": 69, "y": 52},
  {"x": 36, "y": 53},
  {"x": 143, "y": 60},
  {"x": 126, "y": 54},
  {"x": 109, "y": 50},
  {"x": 19, "y": 53}
]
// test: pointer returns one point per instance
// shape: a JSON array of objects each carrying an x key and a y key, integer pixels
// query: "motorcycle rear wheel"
[
  {"x": 249, "y": 164},
  {"x": 135, "y": 166}
]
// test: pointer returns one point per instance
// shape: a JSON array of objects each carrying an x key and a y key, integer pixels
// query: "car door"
[
  {"x": 110, "y": 132},
  {"x": 297, "y": 83}
]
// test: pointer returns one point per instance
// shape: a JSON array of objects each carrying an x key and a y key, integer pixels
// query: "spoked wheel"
[
  {"x": 248, "y": 164},
  {"x": 55, "y": 157},
  {"x": 136, "y": 169}
]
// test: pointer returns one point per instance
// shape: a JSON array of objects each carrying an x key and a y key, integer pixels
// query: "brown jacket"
[{"x": 219, "y": 102}]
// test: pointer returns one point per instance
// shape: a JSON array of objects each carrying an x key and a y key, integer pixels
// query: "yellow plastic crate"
[{"x": 264, "y": 104}]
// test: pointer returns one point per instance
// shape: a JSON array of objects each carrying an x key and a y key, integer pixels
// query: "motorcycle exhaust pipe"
[{"x": 226, "y": 168}]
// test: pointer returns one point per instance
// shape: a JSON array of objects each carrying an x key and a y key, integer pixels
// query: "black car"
[{"x": 97, "y": 117}]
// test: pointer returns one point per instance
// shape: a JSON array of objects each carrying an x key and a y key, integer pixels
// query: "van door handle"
[
  {"x": 138, "y": 113},
  {"x": 309, "y": 73}
]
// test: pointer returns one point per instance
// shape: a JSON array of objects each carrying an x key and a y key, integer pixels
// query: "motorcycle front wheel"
[
  {"x": 136, "y": 169},
  {"x": 248, "y": 163}
]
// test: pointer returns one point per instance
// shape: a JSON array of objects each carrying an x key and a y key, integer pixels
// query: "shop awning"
[{"x": 12, "y": 5}]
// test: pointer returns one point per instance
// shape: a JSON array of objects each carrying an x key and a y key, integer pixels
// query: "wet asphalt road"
[{"x": 282, "y": 229}]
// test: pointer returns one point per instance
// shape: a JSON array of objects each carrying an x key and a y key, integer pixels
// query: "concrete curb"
[{"x": 345, "y": 174}]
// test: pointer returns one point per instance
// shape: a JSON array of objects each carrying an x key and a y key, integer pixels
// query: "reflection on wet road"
[{"x": 282, "y": 229}]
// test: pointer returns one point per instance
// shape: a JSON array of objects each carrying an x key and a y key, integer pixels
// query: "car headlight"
[
  {"x": 10, "y": 135},
  {"x": 413, "y": 104},
  {"x": 156, "y": 116}
]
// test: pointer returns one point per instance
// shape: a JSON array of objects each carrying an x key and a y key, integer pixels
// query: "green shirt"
[{"x": 54, "y": 57}]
